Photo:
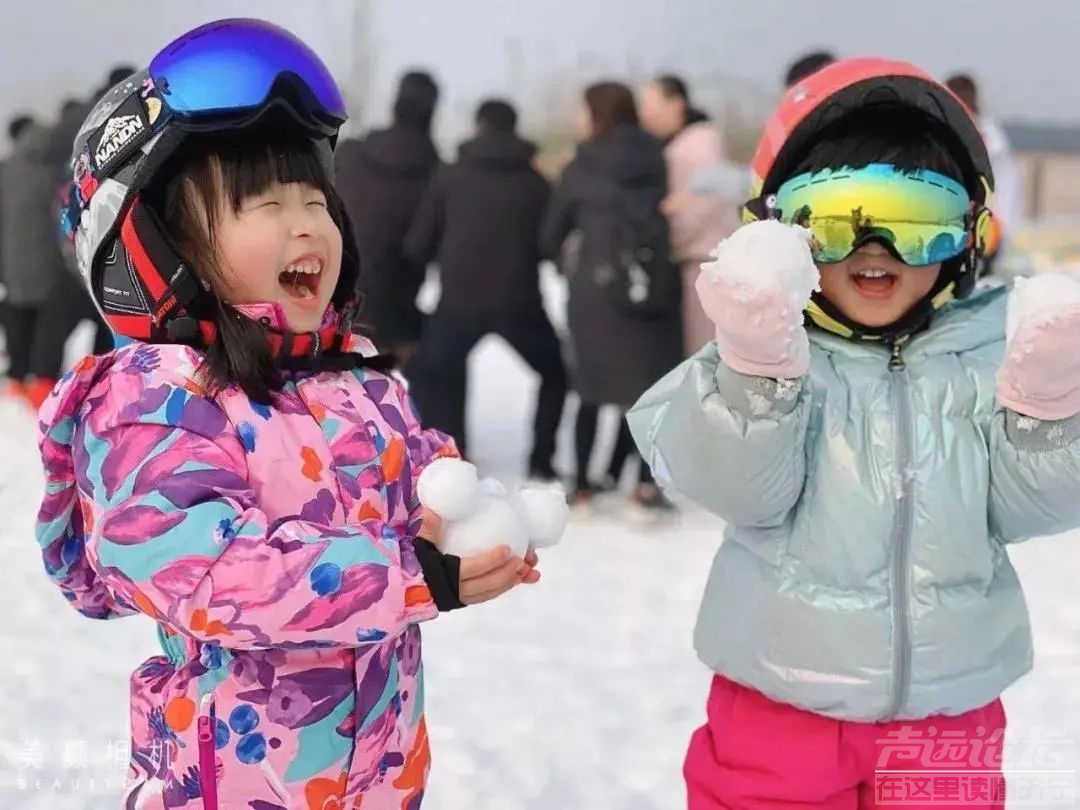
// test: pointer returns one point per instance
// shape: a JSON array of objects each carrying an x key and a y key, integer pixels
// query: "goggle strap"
[{"x": 763, "y": 207}]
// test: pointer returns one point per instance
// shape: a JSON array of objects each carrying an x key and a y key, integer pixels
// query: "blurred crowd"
[
  {"x": 42, "y": 300},
  {"x": 647, "y": 194}
]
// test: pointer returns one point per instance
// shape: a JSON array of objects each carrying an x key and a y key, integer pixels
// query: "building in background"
[{"x": 1049, "y": 162}]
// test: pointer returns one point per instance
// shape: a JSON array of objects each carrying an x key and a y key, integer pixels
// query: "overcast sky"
[{"x": 1026, "y": 52}]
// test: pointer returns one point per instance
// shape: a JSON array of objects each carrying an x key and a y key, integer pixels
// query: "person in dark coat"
[
  {"x": 15, "y": 128},
  {"x": 617, "y": 356},
  {"x": 481, "y": 220},
  {"x": 68, "y": 305},
  {"x": 32, "y": 264},
  {"x": 381, "y": 179}
]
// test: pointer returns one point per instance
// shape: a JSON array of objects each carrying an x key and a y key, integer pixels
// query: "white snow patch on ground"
[{"x": 580, "y": 692}]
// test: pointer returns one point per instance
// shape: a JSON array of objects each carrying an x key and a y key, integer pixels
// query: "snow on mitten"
[
  {"x": 754, "y": 291},
  {"x": 1040, "y": 375}
]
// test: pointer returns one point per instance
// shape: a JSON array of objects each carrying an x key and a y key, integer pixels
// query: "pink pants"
[{"x": 756, "y": 753}]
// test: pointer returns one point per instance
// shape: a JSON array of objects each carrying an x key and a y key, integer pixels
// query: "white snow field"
[{"x": 577, "y": 693}]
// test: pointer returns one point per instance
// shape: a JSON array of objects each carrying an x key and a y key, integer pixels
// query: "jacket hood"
[
  {"x": 502, "y": 151},
  {"x": 629, "y": 154},
  {"x": 400, "y": 151}
]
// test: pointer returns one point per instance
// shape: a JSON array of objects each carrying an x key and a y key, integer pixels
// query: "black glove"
[{"x": 442, "y": 573}]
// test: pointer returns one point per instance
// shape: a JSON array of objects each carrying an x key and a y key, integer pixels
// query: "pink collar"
[{"x": 272, "y": 315}]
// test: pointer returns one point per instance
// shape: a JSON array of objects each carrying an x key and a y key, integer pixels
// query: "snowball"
[
  {"x": 768, "y": 255},
  {"x": 545, "y": 512},
  {"x": 492, "y": 487},
  {"x": 494, "y": 523},
  {"x": 1040, "y": 299},
  {"x": 449, "y": 488},
  {"x": 480, "y": 515}
]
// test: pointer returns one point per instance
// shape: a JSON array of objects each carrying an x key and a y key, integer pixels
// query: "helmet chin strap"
[
  {"x": 823, "y": 314},
  {"x": 201, "y": 333}
]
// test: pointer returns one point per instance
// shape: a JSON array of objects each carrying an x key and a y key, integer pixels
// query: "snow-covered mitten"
[
  {"x": 754, "y": 291},
  {"x": 1040, "y": 375}
]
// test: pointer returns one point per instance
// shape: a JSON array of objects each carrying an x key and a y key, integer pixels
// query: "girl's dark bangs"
[{"x": 247, "y": 172}]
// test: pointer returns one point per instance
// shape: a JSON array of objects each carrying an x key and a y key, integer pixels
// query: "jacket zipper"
[
  {"x": 207, "y": 759},
  {"x": 901, "y": 546}
]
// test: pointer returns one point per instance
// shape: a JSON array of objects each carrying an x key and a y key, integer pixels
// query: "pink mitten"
[
  {"x": 1040, "y": 375},
  {"x": 755, "y": 290}
]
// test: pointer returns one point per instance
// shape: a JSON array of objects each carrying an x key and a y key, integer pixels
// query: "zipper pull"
[
  {"x": 206, "y": 721},
  {"x": 896, "y": 361}
]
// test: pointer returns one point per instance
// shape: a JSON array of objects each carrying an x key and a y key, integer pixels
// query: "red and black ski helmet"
[
  {"x": 225, "y": 75},
  {"x": 852, "y": 86}
]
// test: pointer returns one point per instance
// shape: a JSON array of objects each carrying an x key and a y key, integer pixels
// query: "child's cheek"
[{"x": 832, "y": 277}]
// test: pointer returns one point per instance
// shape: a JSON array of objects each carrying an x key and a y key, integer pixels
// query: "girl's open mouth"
[
  {"x": 301, "y": 278},
  {"x": 874, "y": 282}
]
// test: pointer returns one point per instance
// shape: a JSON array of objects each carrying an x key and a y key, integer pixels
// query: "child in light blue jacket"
[{"x": 872, "y": 465}]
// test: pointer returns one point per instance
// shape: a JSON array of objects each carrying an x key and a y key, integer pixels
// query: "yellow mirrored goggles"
[{"x": 924, "y": 217}]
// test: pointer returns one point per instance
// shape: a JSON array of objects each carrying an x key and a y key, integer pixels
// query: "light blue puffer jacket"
[{"x": 864, "y": 573}]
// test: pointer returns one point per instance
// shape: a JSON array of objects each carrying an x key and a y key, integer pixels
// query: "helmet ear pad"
[{"x": 140, "y": 281}]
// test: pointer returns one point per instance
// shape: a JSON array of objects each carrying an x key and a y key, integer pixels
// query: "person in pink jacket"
[
  {"x": 698, "y": 222},
  {"x": 243, "y": 470}
]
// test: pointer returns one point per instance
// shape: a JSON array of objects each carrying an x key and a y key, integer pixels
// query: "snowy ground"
[{"x": 577, "y": 693}]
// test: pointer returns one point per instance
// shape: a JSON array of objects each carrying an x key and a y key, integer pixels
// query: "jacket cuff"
[
  {"x": 757, "y": 397},
  {"x": 442, "y": 572},
  {"x": 1040, "y": 435}
]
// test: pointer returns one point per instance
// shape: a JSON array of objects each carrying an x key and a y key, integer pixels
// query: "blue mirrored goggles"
[{"x": 235, "y": 66}]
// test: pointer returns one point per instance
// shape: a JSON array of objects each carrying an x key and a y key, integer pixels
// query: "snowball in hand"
[
  {"x": 480, "y": 515},
  {"x": 768, "y": 255},
  {"x": 755, "y": 291},
  {"x": 449, "y": 487},
  {"x": 546, "y": 512},
  {"x": 494, "y": 523}
]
